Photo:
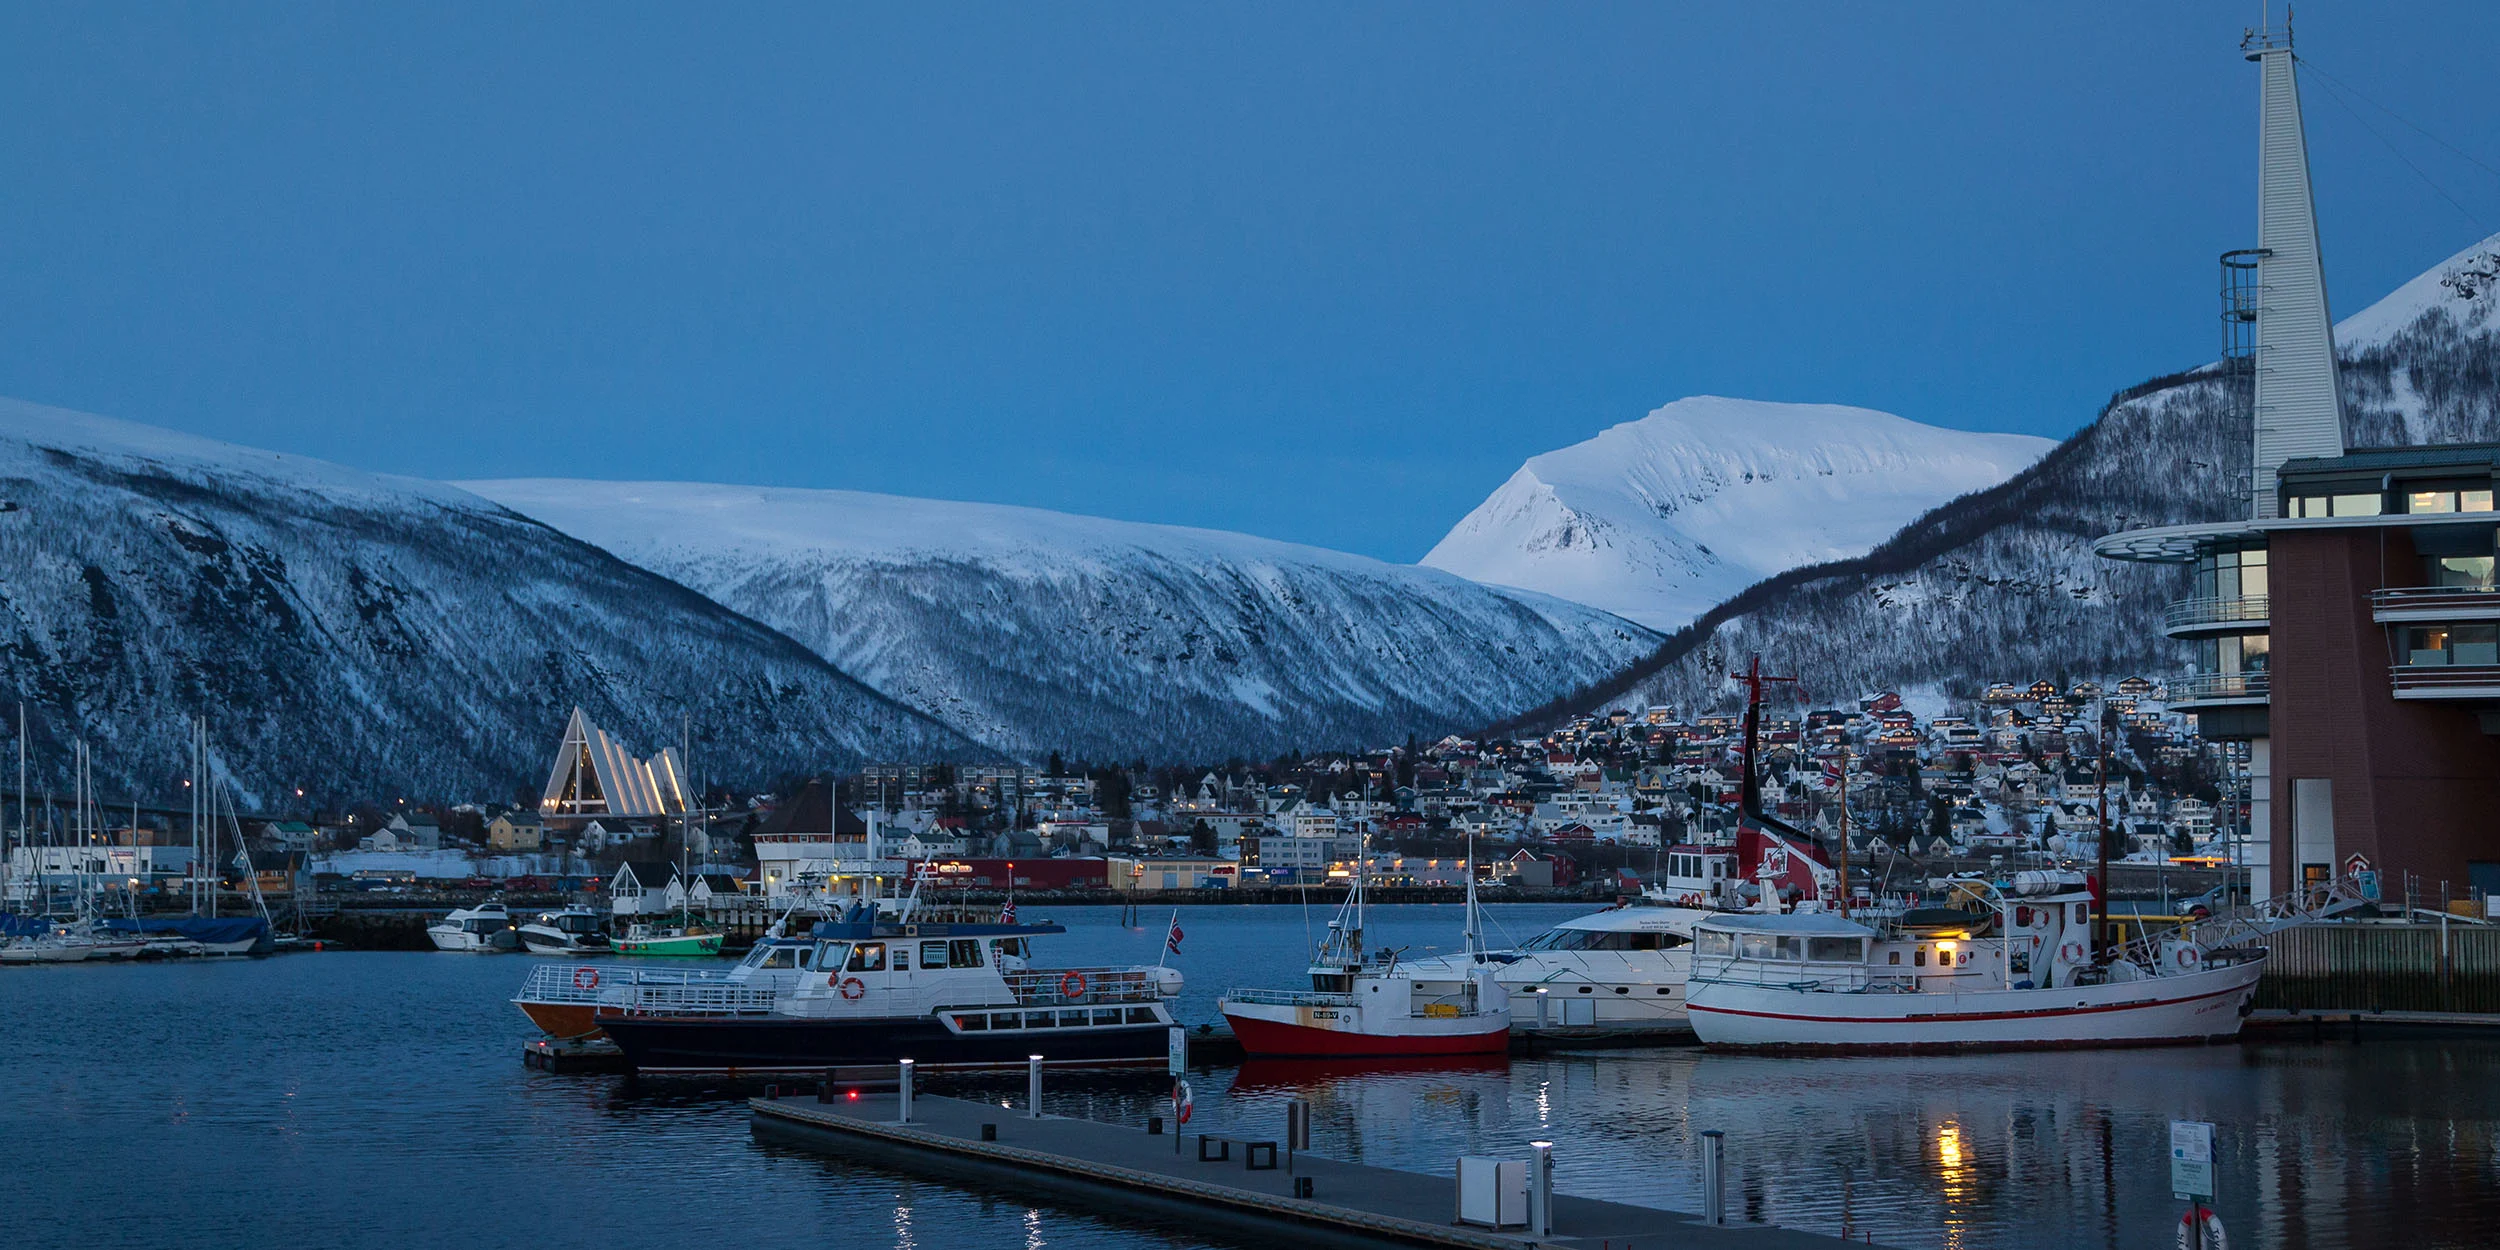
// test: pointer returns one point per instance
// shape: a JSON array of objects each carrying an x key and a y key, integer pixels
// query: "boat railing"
[
  {"x": 591, "y": 985},
  {"x": 1289, "y": 998},
  {"x": 725, "y": 999},
  {"x": 1078, "y": 987}
]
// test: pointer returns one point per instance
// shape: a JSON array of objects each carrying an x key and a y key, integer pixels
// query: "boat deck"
[{"x": 1091, "y": 1166}]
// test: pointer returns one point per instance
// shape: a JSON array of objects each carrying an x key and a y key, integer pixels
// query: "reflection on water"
[{"x": 365, "y": 1099}]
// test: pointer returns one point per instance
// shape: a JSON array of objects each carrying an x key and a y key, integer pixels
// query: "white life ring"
[
  {"x": 853, "y": 989},
  {"x": 2074, "y": 952},
  {"x": 2213, "y": 1239},
  {"x": 2188, "y": 957}
]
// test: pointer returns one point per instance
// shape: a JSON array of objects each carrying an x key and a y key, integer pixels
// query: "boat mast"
[
  {"x": 1844, "y": 830},
  {"x": 1475, "y": 935},
  {"x": 2100, "y": 787}
]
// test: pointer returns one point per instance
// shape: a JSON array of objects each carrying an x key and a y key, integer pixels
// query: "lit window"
[
  {"x": 2473, "y": 501},
  {"x": 2431, "y": 501},
  {"x": 2359, "y": 505}
]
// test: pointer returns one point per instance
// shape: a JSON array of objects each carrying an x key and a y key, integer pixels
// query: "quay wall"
[{"x": 2383, "y": 967}]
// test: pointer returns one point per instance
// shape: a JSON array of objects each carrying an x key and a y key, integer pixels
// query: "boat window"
[
  {"x": 1767, "y": 946},
  {"x": 867, "y": 957},
  {"x": 1040, "y": 1020},
  {"x": 829, "y": 954},
  {"x": 1920, "y": 958},
  {"x": 1834, "y": 950},
  {"x": 1563, "y": 940},
  {"x": 1107, "y": 1015},
  {"x": 778, "y": 957},
  {"x": 1894, "y": 958},
  {"x": 1007, "y": 1020},
  {"x": 1141, "y": 1015},
  {"x": 932, "y": 955},
  {"x": 902, "y": 958},
  {"x": 963, "y": 953},
  {"x": 1944, "y": 959},
  {"x": 1009, "y": 948},
  {"x": 1716, "y": 942},
  {"x": 972, "y": 1023},
  {"x": 807, "y": 957}
]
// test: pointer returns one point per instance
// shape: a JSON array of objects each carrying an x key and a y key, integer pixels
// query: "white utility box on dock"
[{"x": 1492, "y": 1193}]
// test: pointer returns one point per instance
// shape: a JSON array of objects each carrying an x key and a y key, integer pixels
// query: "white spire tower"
[{"x": 2299, "y": 411}]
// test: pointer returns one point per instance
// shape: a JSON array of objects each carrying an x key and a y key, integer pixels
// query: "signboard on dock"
[{"x": 2191, "y": 1159}]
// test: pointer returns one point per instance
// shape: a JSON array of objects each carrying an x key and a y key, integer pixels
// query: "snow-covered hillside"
[
  {"x": 1036, "y": 631},
  {"x": 1661, "y": 518},
  {"x": 363, "y": 636},
  {"x": 2003, "y": 585}
]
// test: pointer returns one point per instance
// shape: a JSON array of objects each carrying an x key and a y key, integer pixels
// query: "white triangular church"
[{"x": 595, "y": 775}]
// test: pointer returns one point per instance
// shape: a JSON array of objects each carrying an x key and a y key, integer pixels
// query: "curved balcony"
[
  {"x": 2475, "y": 683},
  {"x": 2192, "y": 617},
  {"x": 2435, "y": 604},
  {"x": 2194, "y": 690}
]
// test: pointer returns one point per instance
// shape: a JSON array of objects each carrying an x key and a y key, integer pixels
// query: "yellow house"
[{"x": 507, "y": 834}]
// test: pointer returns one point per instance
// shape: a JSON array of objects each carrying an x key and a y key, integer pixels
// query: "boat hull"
[
  {"x": 772, "y": 1044},
  {"x": 565, "y": 1022},
  {"x": 2159, "y": 1011},
  {"x": 1307, "y": 1032},
  {"x": 693, "y": 947}
]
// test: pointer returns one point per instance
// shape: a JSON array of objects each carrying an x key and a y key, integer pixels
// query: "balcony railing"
[
  {"x": 2436, "y": 603},
  {"x": 2218, "y": 688},
  {"x": 2446, "y": 681},
  {"x": 2190, "y": 613}
]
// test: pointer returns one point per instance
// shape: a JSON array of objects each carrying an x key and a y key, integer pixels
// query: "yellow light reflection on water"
[{"x": 1954, "y": 1173}]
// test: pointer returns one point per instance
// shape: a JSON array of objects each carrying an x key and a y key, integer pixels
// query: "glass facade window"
[
  {"x": 2234, "y": 654},
  {"x": 2428, "y": 646},
  {"x": 2231, "y": 574},
  {"x": 2474, "y": 572},
  {"x": 2359, "y": 505},
  {"x": 2425, "y": 501},
  {"x": 2338, "y": 505}
]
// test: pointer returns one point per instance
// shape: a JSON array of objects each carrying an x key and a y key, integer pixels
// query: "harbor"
[{"x": 313, "y": 1077}]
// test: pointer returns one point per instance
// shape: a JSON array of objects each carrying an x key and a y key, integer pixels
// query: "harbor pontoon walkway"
[{"x": 1089, "y": 1166}]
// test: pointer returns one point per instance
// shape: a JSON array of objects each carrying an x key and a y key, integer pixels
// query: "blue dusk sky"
[{"x": 1325, "y": 273}]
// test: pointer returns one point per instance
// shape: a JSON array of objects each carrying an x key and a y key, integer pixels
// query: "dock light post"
[
  {"x": 1541, "y": 1189},
  {"x": 1033, "y": 1087},
  {"x": 1714, "y": 1177},
  {"x": 902, "y": 1094}
]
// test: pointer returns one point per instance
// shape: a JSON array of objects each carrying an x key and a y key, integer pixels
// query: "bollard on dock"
[
  {"x": 902, "y": 1092},
  {"x": 1541, "y": 1189},
  {"x": 1714, "y": 1177},
  {"x": 1033, "y": 1087}
]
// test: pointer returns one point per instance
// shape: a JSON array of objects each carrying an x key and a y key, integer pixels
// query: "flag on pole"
[{"x": 1172, "y": 940}]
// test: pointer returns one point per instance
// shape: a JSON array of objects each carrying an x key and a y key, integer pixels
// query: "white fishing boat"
[
  {"x": 484, "y": 930},
  {"x": 1616, "y": 974},
  {"x": 2014, "y": 967},
  {"x": 573, "y": 931}
]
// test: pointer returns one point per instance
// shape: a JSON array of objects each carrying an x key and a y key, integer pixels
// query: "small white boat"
[
  {"x": 1365, "y": 1004},
  {"x": 484, "y": 929},
  {"x": 2020, "y": 974},
  {"x": 573, "y": 931},
  {"x": 45, "y": 948}
]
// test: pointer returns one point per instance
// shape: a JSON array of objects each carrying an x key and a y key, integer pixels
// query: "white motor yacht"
[
  {"x": 573, "y": 931},
  {"x": 484, "y": 929}
]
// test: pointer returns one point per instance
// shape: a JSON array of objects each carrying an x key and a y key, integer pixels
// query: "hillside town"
[{"x": 2015, "y": 778}]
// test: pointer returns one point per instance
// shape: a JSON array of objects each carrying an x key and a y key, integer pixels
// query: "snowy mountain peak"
[
  {"x": 1658, "y": 519},
  {"x": 2463, "y": 284}
]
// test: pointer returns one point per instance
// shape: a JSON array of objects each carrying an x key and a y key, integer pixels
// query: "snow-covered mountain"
[
  {"x": 2002, "y": 585},
  {"x": 1036, "y": 631},
  {"x": 363, "y": 636},
  {"x": 1659, "y": 519}
]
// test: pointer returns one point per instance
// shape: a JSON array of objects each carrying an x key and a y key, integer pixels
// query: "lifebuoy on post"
[
  {"x": 585, "y": 978},
  {"x": 853, "y": 989},
  {"x": 1072, "y": 985},
  {"x": 2208, "y": 1237}
]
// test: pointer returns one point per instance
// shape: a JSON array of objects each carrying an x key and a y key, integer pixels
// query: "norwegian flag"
[
  {"x": 1007, "y": 911},
  {"x": 1172, "y": 940}
]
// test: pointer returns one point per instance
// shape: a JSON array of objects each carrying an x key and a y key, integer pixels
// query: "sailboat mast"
[
  {"x": 1844, "y": 830},
  {"x": 1475, "y": 935}
]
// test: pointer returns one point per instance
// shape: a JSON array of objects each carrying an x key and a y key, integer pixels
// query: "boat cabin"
[{"x": 977, "y": 977}]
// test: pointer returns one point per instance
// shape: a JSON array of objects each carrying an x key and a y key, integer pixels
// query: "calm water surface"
[{"x": 378, "y": 1099}]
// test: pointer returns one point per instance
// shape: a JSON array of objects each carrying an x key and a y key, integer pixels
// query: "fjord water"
[{"x": 347, "y": 1099}]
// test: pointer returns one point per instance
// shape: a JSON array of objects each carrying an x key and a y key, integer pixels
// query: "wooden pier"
[{"x": 1215, "y": 1186}]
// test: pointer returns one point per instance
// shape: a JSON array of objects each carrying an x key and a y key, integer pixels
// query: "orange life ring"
[
  {"x": 853, "y": 989},
  {"x": 1072, "y": 985},
  {"x": 585, "y": 978}
]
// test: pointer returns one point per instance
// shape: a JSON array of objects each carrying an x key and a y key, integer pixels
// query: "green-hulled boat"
[{"x": 678, "y": 940}]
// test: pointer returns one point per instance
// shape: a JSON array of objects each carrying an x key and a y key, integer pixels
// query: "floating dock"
[{"x": 1214, "y": 1185}]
